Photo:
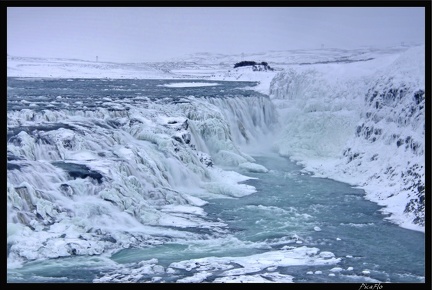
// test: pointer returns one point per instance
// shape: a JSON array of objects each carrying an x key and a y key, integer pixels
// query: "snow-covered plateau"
[{"x": 88, "y": 176}]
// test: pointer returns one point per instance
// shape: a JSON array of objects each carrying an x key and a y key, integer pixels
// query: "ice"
[
  {"x": 258, "y": 262},
  {"x": 122, "y": 176},
  {"x": 227, "y": 183},
  {"x": 159, "y": 163},
  {"x": 183, "y": 209},
  {"x": 189, "y": 84},
  {"x": 223, "y": 126},
  {"x": 230, "y": 190},
  {"x": 253, "y": 167},
  {"x": 248, "y": 268},
  {"x": 357, "y": 123},
  {"x": 225, "y": 157},
  {"x": 326, "y": 255},
  {"x": 132, "y": 273},
  {"x": 362, "y": 278},
  {"x": 196, "y": 278},
  {"x": 258, "y": 278}
]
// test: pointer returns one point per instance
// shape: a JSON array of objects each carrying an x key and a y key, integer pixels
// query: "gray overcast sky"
[{"x": 137, "y": 34}]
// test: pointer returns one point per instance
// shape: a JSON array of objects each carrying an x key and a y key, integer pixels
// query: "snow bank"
[{"x": 361, "y": 123}]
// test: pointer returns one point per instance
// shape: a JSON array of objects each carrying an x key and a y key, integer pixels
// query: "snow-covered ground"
[
  {"x": 355, "y": 116},
  {"x": 74, "y": 68},
  {"x": 361, "y": 123},
  {"x": 327, "y": 106}
]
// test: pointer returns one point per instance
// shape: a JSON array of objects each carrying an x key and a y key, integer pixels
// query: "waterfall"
[
  {"x": 364, "y": 127},
  {"x": 84, "y": 182}
]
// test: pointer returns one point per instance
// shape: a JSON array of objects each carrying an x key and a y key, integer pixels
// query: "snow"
[
  {"x": 328, "y": 124},
  {"x": 155, "y": 182},
  {"x": 188, "y": 85},
  {"x": 319, "y": 115},
  {"x": 246, "y": 74},
  {"x": 253, "y": 167},
  {"x": 255, "y": 263},
  {"x": 72, "y": 68}
]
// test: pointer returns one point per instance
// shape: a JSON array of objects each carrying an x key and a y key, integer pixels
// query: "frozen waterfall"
[
  {"x": 87, "y": 182},
  {"x": 361, "y": 123}
]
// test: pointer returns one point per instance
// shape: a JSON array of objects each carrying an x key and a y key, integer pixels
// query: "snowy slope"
[
  {"x": 361, "y": 123},
  {"x": 290, "y": 57},
  {"x": 73, "y": 68}
]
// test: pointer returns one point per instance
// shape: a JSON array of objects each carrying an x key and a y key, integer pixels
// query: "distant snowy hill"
[
  {"x": 290, "y": 57},
  {"x": 198, "y": 65},
  {"x": 74, "y": 68}
]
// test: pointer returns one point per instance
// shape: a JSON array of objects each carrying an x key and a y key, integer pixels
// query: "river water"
[
  {"x": 290, "y": 209},
  {"x": 294, "y": 228}
]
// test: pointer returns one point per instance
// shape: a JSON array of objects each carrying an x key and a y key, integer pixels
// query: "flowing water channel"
[
  {"x": 294, "y": 209},
  {"x": 294, "y": 228},
  {"x": 290, "y": 210}
]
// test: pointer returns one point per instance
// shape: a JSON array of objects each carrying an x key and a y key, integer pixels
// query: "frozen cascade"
[
  {"x": 127, "y": 180},
  {"x": 227, "y": 124},
  {"x": 365, "y": 127},
  {"x": 87, "y": 182}
]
